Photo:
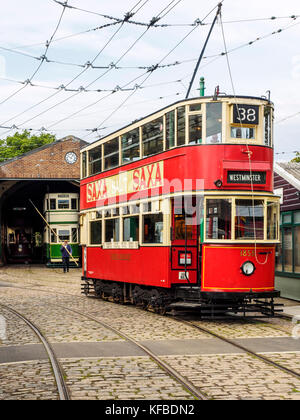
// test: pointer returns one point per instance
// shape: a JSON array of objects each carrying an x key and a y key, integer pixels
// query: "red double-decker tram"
[{"x": 179, "y": 207}]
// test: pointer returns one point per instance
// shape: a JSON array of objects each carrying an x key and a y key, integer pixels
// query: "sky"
[{"x": 82, "y": 70}]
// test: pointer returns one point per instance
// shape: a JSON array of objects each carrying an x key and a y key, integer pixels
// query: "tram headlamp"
[{"x": 248, "y": 268}]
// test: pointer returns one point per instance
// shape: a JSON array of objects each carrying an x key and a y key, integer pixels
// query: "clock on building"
[{"x": 71, "y": 157}]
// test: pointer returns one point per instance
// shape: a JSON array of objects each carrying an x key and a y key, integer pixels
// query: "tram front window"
[
  {"x": 64, "y": 235},
  {"x": 242, "y": 133},
  {"x": 218, "y": 218},
  {"x": 249, "y": 219}
]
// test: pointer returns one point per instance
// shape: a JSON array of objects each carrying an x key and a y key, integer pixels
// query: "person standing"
[{"x": 66, "y": 251}]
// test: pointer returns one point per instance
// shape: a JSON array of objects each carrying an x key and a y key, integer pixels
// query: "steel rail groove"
[
  {"x": 165, "y": 366},
  {"x": 57, "y": 370},
  {"x": 239, "y": 346}
]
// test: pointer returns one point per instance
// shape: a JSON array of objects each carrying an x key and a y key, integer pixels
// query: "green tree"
[
  {"x": 21, "y": 143},
  {"x": 297, "y": 158}
]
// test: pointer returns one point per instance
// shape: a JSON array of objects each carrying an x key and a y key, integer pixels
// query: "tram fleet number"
[
  {"x": 245, "y": 114},
  {"x": 247, "y": 253}
]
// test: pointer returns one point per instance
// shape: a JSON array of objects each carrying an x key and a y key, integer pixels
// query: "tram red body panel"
[
  {"x": 184, "y": 169},
  {"x": 219, "y": 276},
  {"x": 127, "y": 264}
]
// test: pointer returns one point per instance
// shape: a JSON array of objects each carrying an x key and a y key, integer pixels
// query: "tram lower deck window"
[
  {"x": 131, "y": 228},
  {"x": 249, "y": 219},
  {"x": 218, "y": 218},
  {"x": 112, "y": 230},
  {"x": 64, "y": 235},
  {"x": 153, "y": 228},
  {"x": 96, "y": 232}
]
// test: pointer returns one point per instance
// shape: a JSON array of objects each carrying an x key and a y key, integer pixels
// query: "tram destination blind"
[
  {"x": 245, "y": 177},
  {"x": 245, "y": 114}
]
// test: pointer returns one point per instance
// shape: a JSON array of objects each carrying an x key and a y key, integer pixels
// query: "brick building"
[
  {"x": 287, "y": 185},
  {"x": 52, "y": 168}
]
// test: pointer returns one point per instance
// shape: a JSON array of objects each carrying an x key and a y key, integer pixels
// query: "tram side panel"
[{"x": 144, "y": 266}]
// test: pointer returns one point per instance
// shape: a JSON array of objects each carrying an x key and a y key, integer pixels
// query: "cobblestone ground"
[
  {"x": 44, "y": 296},
  {"x": 238, "y": 376},
  {"x": 27, "y": 381},
  {"x": 125, "y": 378}
]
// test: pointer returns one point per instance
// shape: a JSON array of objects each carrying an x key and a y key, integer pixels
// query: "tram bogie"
[{"x": 178, "y": 207}]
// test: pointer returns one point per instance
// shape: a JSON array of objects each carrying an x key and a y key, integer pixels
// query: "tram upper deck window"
[
  {"x": 267, "y": 126},
  {"x": 63, "y": 203},
  {"x": 83, "y": 165},
  {"x": 180, "y": 125},
  {"x": 170, "y": 129},
  {"x": 74, "y": 203},
  {"x": 249, "y": 219},
  {"x": 152, "y": 137},
  {"x": 130, "y": 144},
  {"x": 195, "y": 107},
  {"x": 218, "y": 218},
  {"x": 111, "y": 154},
  {"x": 52, "y": 203},
  {"x": 214, "y": 122},
  {"x": 195, "y": 129},
  {"x": 95, "y": 160}
]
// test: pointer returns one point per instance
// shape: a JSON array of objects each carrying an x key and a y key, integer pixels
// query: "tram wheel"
[
  {"x": 117, "y": 294},
  {"x": 86, "y": 289},
  {"x": 157, "y": 302}
]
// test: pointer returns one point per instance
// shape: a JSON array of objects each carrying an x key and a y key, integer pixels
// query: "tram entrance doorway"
[{"x": 184, "y": 242}]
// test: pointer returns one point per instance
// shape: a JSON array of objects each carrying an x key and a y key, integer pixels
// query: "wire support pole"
[{"x": 203, "y": 50}]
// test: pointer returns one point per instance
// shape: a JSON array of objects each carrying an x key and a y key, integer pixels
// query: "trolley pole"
[
  {"x": 203, "y": 49},
  {"x": 53, "y": 231}
]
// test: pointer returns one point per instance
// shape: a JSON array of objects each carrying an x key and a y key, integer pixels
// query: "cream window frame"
[{"x": 264, "y": 198}]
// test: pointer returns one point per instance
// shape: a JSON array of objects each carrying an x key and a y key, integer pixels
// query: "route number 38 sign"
[{"x": 245, "y": 114}]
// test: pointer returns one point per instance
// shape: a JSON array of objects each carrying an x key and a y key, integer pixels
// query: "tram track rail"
[
  {"x": 158, "y": 360},
  {"x": 58, "y": 373},
  {"x": 238, "y": 346},
  {"x": 61, "y": 385},
  {"x": 163, "y": 365}
]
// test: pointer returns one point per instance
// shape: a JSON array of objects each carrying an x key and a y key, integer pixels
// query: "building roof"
[
  {"x": 290, "y": 171},
  {"x": 45, "y": 146}
]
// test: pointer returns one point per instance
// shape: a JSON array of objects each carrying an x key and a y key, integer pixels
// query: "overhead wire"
[
  {"x": 112, "y": 66},
  {"x": 43, "y": 57},
  {"x": 62, "y": 87},
  {"x": 150, "y": 73},
  {"x": 89, "y": 65},
  {"x": 177, "y": 62}
]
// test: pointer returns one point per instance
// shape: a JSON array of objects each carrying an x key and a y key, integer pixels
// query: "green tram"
[{"x": 61, "y": 211}]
